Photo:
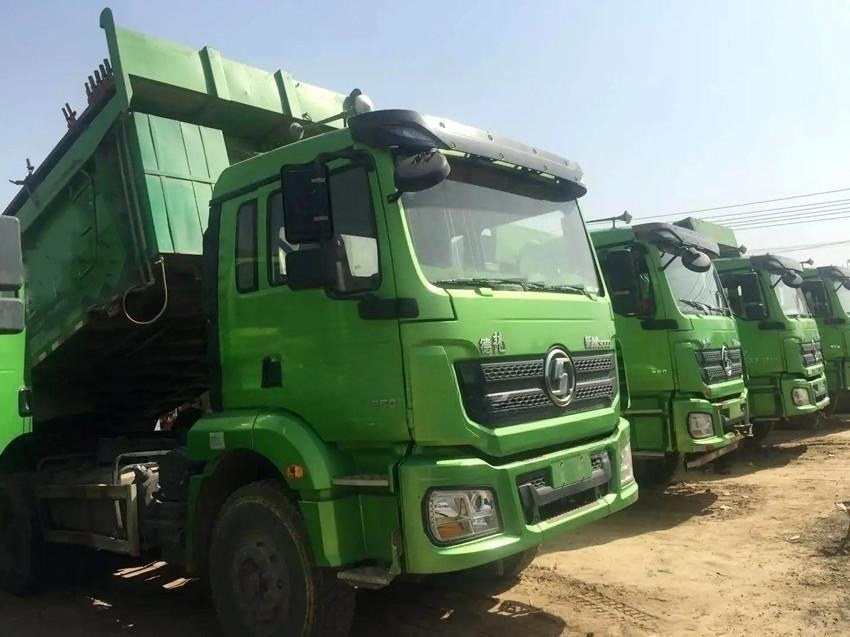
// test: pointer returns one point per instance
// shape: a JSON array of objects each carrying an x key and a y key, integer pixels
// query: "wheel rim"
[{"x": 260, "y": 581}]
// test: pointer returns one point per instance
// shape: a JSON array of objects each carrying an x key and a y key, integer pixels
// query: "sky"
[{"x": 667, "y": 106}]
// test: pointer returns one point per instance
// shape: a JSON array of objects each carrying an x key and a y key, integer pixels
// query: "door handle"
[{"x": 272, "y": 375}]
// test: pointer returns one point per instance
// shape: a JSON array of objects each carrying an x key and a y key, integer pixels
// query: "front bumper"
[
  {"x": 731, "y": 425},
  {"x": 816, "y": 389},
  {"x": 524, "y": 522}
]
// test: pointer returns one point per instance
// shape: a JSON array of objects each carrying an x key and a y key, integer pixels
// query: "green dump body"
[
  {"x": 782, "y": 348},
  {"x": 123, "y": 200},
  {"x": 681, "y": 349},
  {"x": 828, "y": 297}
]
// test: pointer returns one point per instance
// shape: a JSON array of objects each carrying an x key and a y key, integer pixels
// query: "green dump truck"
[
  {"x": 680, "y": 346},
  {"x": 386, "y": 336},
  {"x": 782, "y": 349},
  {"x": 827, "y": 292}
]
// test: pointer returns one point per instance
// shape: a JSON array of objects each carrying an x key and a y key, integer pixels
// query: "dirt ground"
[{"x": 752, "y": 551}]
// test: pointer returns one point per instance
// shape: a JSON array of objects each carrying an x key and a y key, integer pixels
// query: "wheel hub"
[{"x": 260, "y": 581}]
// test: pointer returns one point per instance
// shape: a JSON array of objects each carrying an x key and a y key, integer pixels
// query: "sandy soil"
[{"x": 753, "y": 551}]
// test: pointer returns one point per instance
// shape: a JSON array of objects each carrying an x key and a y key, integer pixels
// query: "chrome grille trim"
[{"x": 518, "y": 369}]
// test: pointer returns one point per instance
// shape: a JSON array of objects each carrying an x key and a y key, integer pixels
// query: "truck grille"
[
  {"x": 811, "y": 352},
  {"x": 716, "y": 367},
  {"x": 508, "y": 391}
]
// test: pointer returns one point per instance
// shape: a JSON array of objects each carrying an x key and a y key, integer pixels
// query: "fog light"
[
  {"x": 800, "y": 396},
  {"x": 627, "y": 471},
  {"x": 700, "y": 425},
  {"x": 463, "y": 514}
]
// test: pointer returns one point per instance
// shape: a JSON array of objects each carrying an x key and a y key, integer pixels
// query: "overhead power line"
[
  {"x": 762, "y": 211},
  {"x": 775, "y": 216},
  {"x": 749, "y": 203},
  {"x": 805, "y": 246},
  {"x": 844, "y": 214}
]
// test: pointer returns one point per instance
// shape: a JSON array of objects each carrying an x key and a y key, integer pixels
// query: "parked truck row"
[{"x": 301, "y": 346}]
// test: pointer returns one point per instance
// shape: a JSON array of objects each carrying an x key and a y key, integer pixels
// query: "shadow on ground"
[{"x": 155, "y": 601}]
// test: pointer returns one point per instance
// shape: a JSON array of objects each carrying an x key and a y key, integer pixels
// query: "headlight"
[
  {"x": 700, "y": 425},
  {"x": 800, "y": 396},
  {"x": 462, "y": 514},
  {"x": 627, "y": 471}
]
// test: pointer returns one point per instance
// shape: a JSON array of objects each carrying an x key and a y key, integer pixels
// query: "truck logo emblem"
[
  {"x": 560, "y": 376},
  {"x": 492, "y": 345},
  {"x": 726, "y": 361},
  {"x": 594, "y": 342}
]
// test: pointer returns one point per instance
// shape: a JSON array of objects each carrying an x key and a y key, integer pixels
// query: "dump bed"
[{"x": 113, "y": 221}]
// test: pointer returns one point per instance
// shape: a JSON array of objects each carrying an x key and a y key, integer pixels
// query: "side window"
[
  {"x": 816, "y": 297},
  {"x": 246, "y": 247},
  {"x": 356, "y": 231},
  {"x": 627, "y": 275}
]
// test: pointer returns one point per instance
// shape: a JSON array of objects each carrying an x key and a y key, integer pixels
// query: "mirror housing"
[
  {"x": 846, "y": 284},
  {"x": 11, "y": 316},
  {"x": 792, "y": 279},
  {"x": 696, "y": 261},
  {"x": 11, "y": 260},
  {"x": 421, "y": 171},
  {"x": 306, "y": 203},
  {"x": 310, "y": 269}
]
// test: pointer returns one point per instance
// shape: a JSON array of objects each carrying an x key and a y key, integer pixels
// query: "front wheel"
[
  {"x": 21, "y": 546},
  {"x": 263, "y": 578},
  {"x": 761, "y": 430},
  {"x": 658, "y": 471}
]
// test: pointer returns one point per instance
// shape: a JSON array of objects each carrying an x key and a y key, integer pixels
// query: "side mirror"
[
  {"x": 306, "y": 203},
  {"x": 422, "y": 171},
  {"x": 696, "y": 261},
  {"x": 11, "y": 261},
  {"x": 846, "y": 284},
  {"x": 310, "y": 269},
  {"x": 792, "y": 279}
]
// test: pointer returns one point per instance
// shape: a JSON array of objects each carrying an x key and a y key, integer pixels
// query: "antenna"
[{"x": 625, "y": 218}]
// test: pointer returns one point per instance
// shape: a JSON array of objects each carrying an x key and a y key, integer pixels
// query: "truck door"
[{"x": 313, "y": 352}]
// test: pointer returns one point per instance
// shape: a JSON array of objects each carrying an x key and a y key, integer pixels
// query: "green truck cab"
[
  {"x": 387, "y": 333},
  {"x": 782, "y": 350},
  {"x": 827, "y": 292},
  {"x": 680, "y": 346}
]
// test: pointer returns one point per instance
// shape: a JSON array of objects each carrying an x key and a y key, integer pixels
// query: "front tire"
[
  {"x": 263, "y": 578},
  {"x": 21, "y": 545},
  {"x": 658, "y": 471},
  {"x": 761, "y": 430}
]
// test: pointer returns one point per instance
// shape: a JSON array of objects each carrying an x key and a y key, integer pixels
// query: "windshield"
[
  {"x": 473, "y": 232},
  {"x": 790, "y": 299},
  {"x": 695, "y": 292}
]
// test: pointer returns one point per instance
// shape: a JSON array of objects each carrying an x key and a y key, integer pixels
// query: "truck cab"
[
  {"x": 394, "y": 325},
  {"x": 680, "y": 346},
  {"x": 782, "y": 346},
  {"x": 827, "y": 292}
]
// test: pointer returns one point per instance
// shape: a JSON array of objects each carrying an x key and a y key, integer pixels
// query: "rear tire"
[
  {"x": 263, "y": 578},
  {"x": 21, "y": 544}
]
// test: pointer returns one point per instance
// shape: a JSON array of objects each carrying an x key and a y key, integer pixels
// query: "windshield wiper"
[
  {"x": 484, "y": 282},
  {"x": 565, "y": 287},
  {"x": 700, "y": 305}
]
